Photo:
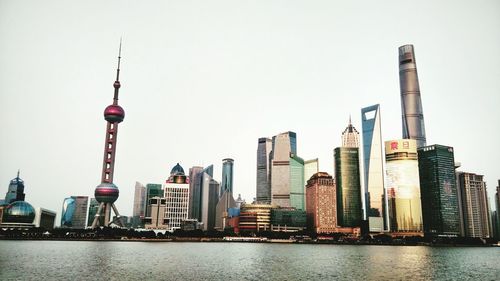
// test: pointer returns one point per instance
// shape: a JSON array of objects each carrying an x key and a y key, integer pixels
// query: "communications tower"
[{"x": 107, "y": 192}]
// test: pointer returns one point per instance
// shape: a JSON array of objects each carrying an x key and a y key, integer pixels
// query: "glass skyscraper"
[
  {"x": 195, "y": 175},
  {"x": 93, "y": 207},
  {"x": 411, "y": 104},
  {"x": 138, "y": 212},
  {"x": 74, "y": 212},
  {"x": 264, "y": 171},
  {"x": 152, "y": 190},
  {"x": 227, "y": 176},
  {"x": 284, "y": 146},
  {"x": 403, "y": 187},
  {"x": 438, "y": 190},
  {"x": 347, "y": 176},
  {"x": 15, "y": 191},
  {"x": 374, "y": 199},
  {"x": 297, "y": 187}
]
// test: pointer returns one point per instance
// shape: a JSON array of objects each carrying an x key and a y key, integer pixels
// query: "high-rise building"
[
  {"x": 411, "y": 104},
  {"x": 107, "y": 192},
  {"x": 297, "y": 187},
  {"x": 350, "y": 136},
  {"x": 15, "y": 191},
  {"x": 403, "y": 187},
  {"x": 138, "y": 212},
  {"x": 156, "y": 219},
  {"x": 176, "y": 198},
  {"x": 93, "y": 207},
  {"x": 348, "y": 186},
  {"x": 311, "y": 167},
  {"x": 474, "y": 201},
  {"x": 440, "y": 209},
  {"x": 264, "y": 170},
  {"x": 74, "y": 212},
  {"x": 497, "y": 213},
  {"x": 374, "y": 197},
  {"x": 226, "y": 184},
  {"x": 284, "y": 147},
  {"x": 208, "y": 194},
  {"x": 226, "y": 200},
  {"x": 195, "y": 175},
  {"x": 321, "y": 203},
  {"x": 152, "y": 190}
]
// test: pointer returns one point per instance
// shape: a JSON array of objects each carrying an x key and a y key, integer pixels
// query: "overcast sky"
[{"x": 203, "y": 80}]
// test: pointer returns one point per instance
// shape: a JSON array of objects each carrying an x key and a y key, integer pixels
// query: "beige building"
[
  {"x": 157, "y": 220},
  {"x": 321, "y": 203},
  {"x": 255, "y": 217}
]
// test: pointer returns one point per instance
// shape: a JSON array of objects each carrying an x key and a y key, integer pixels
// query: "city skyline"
[{"x": 196, "y": 77}]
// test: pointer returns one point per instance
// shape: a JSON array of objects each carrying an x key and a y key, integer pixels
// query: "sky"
[{"x": 203, "y": 80}]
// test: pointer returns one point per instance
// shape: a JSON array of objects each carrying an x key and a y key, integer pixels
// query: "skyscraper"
[
  {"x": 403, "y": 187},
  {"x": 107, "y": 192},
  {"x": 476, "y": 212},
  {"x": 264, "y": 170},
  {"x": 321, "y": 203},
  {"x": 93, "y": 206},
  {"x": 311, "y": 167},
  {"x": 15, "y": 191},
  {"x": 206, "y": 198},
  {"x": 411, "y": 104},
  {"x": 497, "y": 213},
  {"x": 227, "y": 176},
  {"x": 374, "y": 199},
  {"x": 176, "y": 198},
  {"x": 348, "y": 186},
  {"x": 226, "y": 199},
  {"x": 194, "y": 191},
  {"x": 152, "y": 190},
  {"x": 74, "y": 212},
  {"x": 350, "y": 136},
  {"x": 138, "y": 213},
  {"x": 297, "y": 187},
  {"x": 284, "y": 146},
  {"x": 440, "y": 210}
]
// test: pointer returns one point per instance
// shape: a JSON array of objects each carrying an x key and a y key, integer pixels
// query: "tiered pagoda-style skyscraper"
[{"x": 107, "y": 192}]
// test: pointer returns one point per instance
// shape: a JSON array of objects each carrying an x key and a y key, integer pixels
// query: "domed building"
[
  {"x": 177, "y": 175},
  {"x": 17, "y": 214},
  {"x": 176, "y": 198}
]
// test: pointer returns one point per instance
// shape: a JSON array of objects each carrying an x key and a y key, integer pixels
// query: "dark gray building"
[
  {"x": 15, "y": 191},
  {"x": 411, "y": 103},
  {"x": 440, "y": 209},
  {"x": 347, "y": 176},
  {"x": 264, "y": 170}
]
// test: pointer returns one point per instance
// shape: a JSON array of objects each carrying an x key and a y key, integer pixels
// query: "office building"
[
  {"x": 348, "y": 186},
  {"x": 139, "y": 209},
  {"x": 152, "y": 190},
  {"x": 255, "y": 217},
  {"x": 195, "y": 176},
  {"x": 226, "y": 184},
  {"x": 74, "y": 212},
  {"x": 176, "y": 198},
  {"x": 156, "y": 209},
  {"x": 15, "y": 191},
  {"x": 226, "y": 199},
  {"x": 264, "y": 171},
  {"x": 474, "y": 201},
  {"x": 296, "y": 181},
  {"x": 321, "y": 203},
  {"x": 403, "y": 187},
  {"x": 497, "y": 213},
  {"x": 288, "y": 219},
  {"x": 284, "y": 145},
  {"x": 93, "y": 207},
  {"x": 374, "y": 192},
  {"x": 438, "y": 190},
  {"x": 411, "y": 103},
  {"x": 45, "y": 218}
]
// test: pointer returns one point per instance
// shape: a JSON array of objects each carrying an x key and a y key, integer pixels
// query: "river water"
[{"x": 89, "y": 260}]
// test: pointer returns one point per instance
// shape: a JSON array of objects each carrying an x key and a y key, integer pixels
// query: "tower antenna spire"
[
  {"x": 18, "y": 171},
  {"x": 119, "y": 58}
]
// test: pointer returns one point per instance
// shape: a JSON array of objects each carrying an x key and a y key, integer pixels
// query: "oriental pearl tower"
[{"x": 107, "y": 192}]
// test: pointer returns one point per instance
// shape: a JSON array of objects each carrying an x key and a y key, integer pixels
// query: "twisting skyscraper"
[
  {"x": 411, "y": 104},
  {"x": 107, "y": 192}
]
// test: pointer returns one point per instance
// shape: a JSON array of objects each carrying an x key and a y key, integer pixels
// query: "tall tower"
[
  {"x": 350, "y": 136},
  {"x": 107, "y": 192},
  {"x": 373, "y": 168},
  {"x": 227, "y": 176},
  {"x": 411, "y": 104},
  {"x": 264, "y": 170}
]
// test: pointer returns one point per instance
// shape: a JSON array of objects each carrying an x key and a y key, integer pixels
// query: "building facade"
[
  {"x": 403, "y": 187},
  {"x": 350, "y": 136},
  {"x": 348, "y": 186},
  {"x": 156, "y": 209},
  {"x": 297, "y": 187},
  {"x": 15, "y": 191},
  {"x": 176, "y": 198},
  {"x": 411, "y": 103},
  {"x": 74, "y": 212},
  {"x": 45, "y": 218},
  {"x": 321, "y": 203},
  {"x": 438, "y": 190},
  {"x": 288, "y": 219},
  {"x": 93, "y": 207},
  {"x": 195, "y": 176},
  {"x": 284, "y": 145},
  {"x": 139, "y": 212},
  {"x": 474, "y": 201},
  {"x": 255, "y": 217},
  {"x": 226, "y": 184},
  {"x": 374, "y": 192},
  {"x": 152, "y": 190},
  {"x": 264, "y": 170}
]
